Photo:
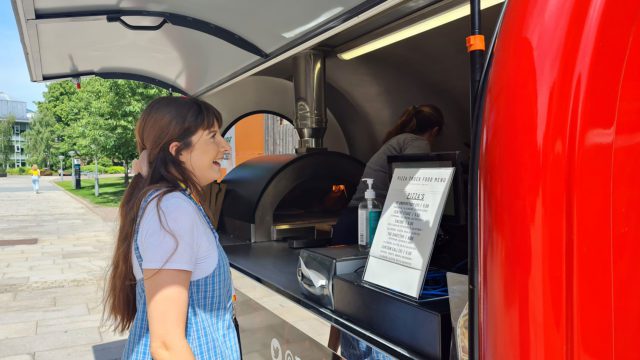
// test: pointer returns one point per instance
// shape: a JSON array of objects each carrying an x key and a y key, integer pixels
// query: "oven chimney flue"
[{"x": 308, "y": 84}]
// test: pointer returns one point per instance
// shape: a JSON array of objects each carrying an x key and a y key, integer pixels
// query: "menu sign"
[{"x": 403, "y": 242}]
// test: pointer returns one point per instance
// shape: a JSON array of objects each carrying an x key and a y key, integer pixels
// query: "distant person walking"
[{"x": 35, "y": 178}]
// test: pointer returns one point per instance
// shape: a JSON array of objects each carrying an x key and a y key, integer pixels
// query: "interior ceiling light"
[
  {"x": 315, "y": 22},
  {"x": 415, "y": 29}
]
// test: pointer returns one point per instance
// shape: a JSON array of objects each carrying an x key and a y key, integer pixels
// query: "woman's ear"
[
  {"x": 173, "y": 147},
  {"x": 436, "y": 131}
]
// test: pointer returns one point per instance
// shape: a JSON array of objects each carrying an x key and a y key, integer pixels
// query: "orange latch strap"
[{"x": 475, "y": 42}]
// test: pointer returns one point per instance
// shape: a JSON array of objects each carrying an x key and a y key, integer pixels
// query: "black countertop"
[{"x": 274, "y": 265}]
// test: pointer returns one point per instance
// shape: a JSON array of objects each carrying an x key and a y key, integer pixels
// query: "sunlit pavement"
[{"x": 50, "y": 291}]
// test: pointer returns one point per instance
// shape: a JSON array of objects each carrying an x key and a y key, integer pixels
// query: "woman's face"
[{"x": 203, "y": 157}]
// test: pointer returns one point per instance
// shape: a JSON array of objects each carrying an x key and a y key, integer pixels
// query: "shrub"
[
  {"x": 92, "y": 168},
  {"x": 46, "y": 172},
  {"x": 3, "y": 171},
  {"x": 104, "y": 162},
  {"x": 103, "y": 169},
  {"x": 18, "y": 171},
  {"x": 115, "y": 170}
]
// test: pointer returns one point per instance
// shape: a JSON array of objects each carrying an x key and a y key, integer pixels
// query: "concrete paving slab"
[
  {"x": 8, "y": 331},
  {"x": 12, "y": 280},
  {"x": 80, "y": 291},
  {"x": 31, "y": 303},
  {"x": 50, "y": 341},
  {"x": 70, "y": 323},
  {"x": 54, "y": 312},
  {"x": 18, "y": 357},
  {"x": 70, "y": 353}
]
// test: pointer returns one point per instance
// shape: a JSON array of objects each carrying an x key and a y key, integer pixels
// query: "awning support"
[
  {"x": 171, "y": 18},
  {"x": 476, "y": 49}
]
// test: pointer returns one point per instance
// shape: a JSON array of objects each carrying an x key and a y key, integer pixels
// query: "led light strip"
[{"x": 415, "y": 29}]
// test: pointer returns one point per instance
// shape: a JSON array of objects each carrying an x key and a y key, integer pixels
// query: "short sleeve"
[{"x": 167, "y": 239}]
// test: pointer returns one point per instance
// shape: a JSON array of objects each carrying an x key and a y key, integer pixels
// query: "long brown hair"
[
  {"x": 164, "y": 121},
  {"x": 417, "y": 120}
]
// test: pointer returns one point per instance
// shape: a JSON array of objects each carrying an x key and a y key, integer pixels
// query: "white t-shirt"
[{"x": 194, "y": 243}]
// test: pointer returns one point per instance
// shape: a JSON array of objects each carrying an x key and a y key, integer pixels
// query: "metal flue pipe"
[{"x": 308, "y": 82}]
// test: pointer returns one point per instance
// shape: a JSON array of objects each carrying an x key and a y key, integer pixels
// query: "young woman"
[
  {"x": 170, "y": 282},
  {"x": 414, "y": 132},
  {"x": 35, "y": 178}
]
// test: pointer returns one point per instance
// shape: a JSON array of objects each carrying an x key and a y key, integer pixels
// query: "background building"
[
  {"x": 23, "y": 119},
  {"x": 256, "y": 135}
]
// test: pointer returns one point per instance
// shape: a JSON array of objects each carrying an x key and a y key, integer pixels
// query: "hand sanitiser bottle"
[{"x": 369, "y": 212}]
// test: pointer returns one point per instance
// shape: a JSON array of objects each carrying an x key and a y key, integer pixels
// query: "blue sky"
[{"x": 14, "y": 76}]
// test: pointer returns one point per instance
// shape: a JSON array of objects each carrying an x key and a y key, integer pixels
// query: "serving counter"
[{"x": 403, "y": 328}]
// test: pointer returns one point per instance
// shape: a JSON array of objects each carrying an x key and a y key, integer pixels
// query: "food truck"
[{"x": 541, "y": 125}]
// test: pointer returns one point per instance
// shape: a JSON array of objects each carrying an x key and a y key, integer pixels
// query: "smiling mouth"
[{"x": 216, "y": 163}]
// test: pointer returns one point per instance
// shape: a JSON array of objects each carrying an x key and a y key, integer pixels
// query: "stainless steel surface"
[
  {"x": 282, "y": 232},
  {"x": 303, "y": 228},
  {"x": 314, "y": 274},
  {"x": 308, "y": 87},
  {"x": 264, "y": 335},
  {"x": 318, "y": 267}
]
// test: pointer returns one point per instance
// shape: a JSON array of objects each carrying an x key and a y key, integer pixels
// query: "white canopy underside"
[{"x": 66, "y": 38}]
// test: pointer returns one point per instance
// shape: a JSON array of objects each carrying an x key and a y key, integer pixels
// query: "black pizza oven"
[{"x": 279, "y": 197}]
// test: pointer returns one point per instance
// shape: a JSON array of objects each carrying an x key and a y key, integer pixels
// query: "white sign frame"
[{"x": 404, "y": 240}]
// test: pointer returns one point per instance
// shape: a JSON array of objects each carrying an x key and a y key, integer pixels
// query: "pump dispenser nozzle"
[{"x": 369, "y": 194}]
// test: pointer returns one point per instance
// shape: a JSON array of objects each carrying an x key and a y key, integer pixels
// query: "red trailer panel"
[{"x": 559, "y": 204}]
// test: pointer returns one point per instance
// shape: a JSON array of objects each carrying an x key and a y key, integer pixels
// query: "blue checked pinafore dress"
[{"x": 210, "y": 330}]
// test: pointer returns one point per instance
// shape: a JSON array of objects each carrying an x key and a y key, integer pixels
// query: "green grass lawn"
[{"x": 111, "y": 190}]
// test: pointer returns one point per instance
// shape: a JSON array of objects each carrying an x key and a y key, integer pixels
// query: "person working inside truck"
[
  {"x": 170, "y": 281},
  {"x": 414, "y": 132}
]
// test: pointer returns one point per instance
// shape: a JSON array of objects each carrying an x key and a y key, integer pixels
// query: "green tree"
[
  {"x": 6, "y": 143},
  {"x": 127, "y": 99},
  {"x": 91, "y": 138},
  {"x": 40, "y": 139},
  {"x": 99, "y": 119},
  {"x": 88, "y": 130},
  {"x": 62, "y": 100}
]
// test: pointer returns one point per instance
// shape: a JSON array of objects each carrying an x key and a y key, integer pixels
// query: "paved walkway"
[{"x": 51, "y": 291}]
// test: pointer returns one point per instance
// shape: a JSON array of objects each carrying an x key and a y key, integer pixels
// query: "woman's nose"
[{"x": 226, "y": 146}]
